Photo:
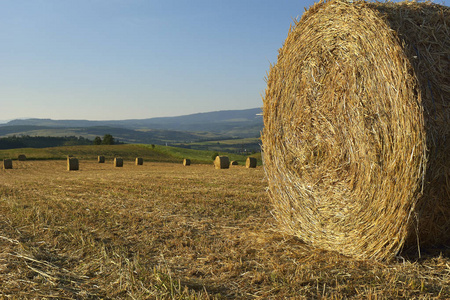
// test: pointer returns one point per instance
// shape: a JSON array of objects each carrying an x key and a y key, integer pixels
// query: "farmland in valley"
[{"x": 165, "y": 231}]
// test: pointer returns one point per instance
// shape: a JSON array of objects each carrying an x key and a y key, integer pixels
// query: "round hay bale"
[
  {"x": 7, "y": 164},
  {"x": 139, "y": 161},
  {"x": 186, "y": 162},
  {"x": 222, "y": 162},
  {"x": 118, "y": 162},
  {"x": 251, "y": 162},
  {"x": 234, "y": 163},
  {"x": 22, "y": 157},
  {"x": 101, "y": 159},
  {"x": 72, "y": 164},
  {"x": 356, "y": 128}
]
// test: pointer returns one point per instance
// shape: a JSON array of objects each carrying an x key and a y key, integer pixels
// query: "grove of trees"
[{"x": 108, "y": 139}]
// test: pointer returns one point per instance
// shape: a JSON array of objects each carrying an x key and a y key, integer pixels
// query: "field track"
[{"x": 165, "y": 231}]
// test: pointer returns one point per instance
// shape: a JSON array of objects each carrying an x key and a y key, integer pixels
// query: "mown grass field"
[
  {"x": 233, "y": 145},
  {"x": 155, "y": 153},
  {"x": 164, "y": 231}
]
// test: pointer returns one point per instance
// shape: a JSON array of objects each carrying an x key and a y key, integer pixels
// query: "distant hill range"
[{"x": 218, "y": 125}]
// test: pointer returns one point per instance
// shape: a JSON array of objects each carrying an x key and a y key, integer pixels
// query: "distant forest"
[{"x": 26, "y": 141}]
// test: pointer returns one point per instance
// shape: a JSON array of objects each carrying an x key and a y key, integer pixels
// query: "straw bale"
[
  {"x": 356, "y": 128},
  {"x": 101, "y": 159},
  {"x": 251, "y": 162},
  {"x": 234, "y": 163},
  {"x": 72, "y": 164},
  {"x": 186, "y": 162},
  {"x": 22, "y": 157},
  {"x": 139, "y": 161},
  {"x": 222, "y": 162},
  {"x": 118, "y": 162},
  {"x": 7, "y": 164}
]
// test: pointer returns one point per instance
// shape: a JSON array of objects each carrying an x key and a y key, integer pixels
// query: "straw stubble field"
[{"x": 165, "y": 231}]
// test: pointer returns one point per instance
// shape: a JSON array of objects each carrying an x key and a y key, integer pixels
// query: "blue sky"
[{"x": 132, "y": 59}]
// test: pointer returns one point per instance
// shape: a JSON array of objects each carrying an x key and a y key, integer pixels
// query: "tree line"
[{"x": 26, "y": 141}]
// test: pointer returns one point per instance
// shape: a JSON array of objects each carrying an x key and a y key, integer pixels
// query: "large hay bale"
[
  {"x": 72, "y": 164},
  {"x": 101, "y": 159},
  {"x": 7, "y": 164},
  {"x": 139, "y": 161},
  {"x": 186, "y": 162},
  {"x": 356, "y": 139},
  {"x": 234, "y": 163},
  {"x": 222, "y": 162},
  {"x": 251, "y": 162},
  {"x": 22, "y": 157},
  {"x": 118, "y": 162}
]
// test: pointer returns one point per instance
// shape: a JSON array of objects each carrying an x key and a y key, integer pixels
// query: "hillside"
[
  {"x": 150, "y": 153},
  {"x": 148, "y": 136},
  {"x": 212, "y": 126},
  {"x": 245, "y": 123}
]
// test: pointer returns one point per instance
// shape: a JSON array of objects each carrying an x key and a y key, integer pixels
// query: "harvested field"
[{"x": 163, "y": 231}]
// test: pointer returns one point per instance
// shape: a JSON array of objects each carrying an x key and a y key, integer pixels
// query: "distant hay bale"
[
  {"x": 356, "y": 135},
  {"x": 234, "y": 163},
  {"x": 139, "y": 161},
  {"x": 251, "y": 162},
  {"x": 7, "y": 164},
  {"x": 186, "y": 162},
  {"x": 101, "y": 159},
  {"x": 72, "y": 164},
  {"x": 118, "y": 162},
  {"x": 222, "y": 162},
  {"x": 22, "y": 157}
]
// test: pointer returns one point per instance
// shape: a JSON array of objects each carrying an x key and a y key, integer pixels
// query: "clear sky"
[{"x": 133, "y": 59}]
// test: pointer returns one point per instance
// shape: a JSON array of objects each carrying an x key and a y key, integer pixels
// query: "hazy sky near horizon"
[{"x": 133, "y": 59}]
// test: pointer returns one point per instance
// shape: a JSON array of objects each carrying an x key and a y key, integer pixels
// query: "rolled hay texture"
[
  {"x": 118, "y": 162},
  {"x": 251, "y": 162},
  {"x": 222, "y": 162},
  {"x": 22, "y": 157},
  {"x": 186, "y": 162},
  {"x": 72, "y": 164},
  {"x": 139, "y": 161},
  {"x": 7, "y": 164},
  {"x": 356, "y": 128},
  {"x": 234, "y": 163},
  {"x": 101, "y": 159}
]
